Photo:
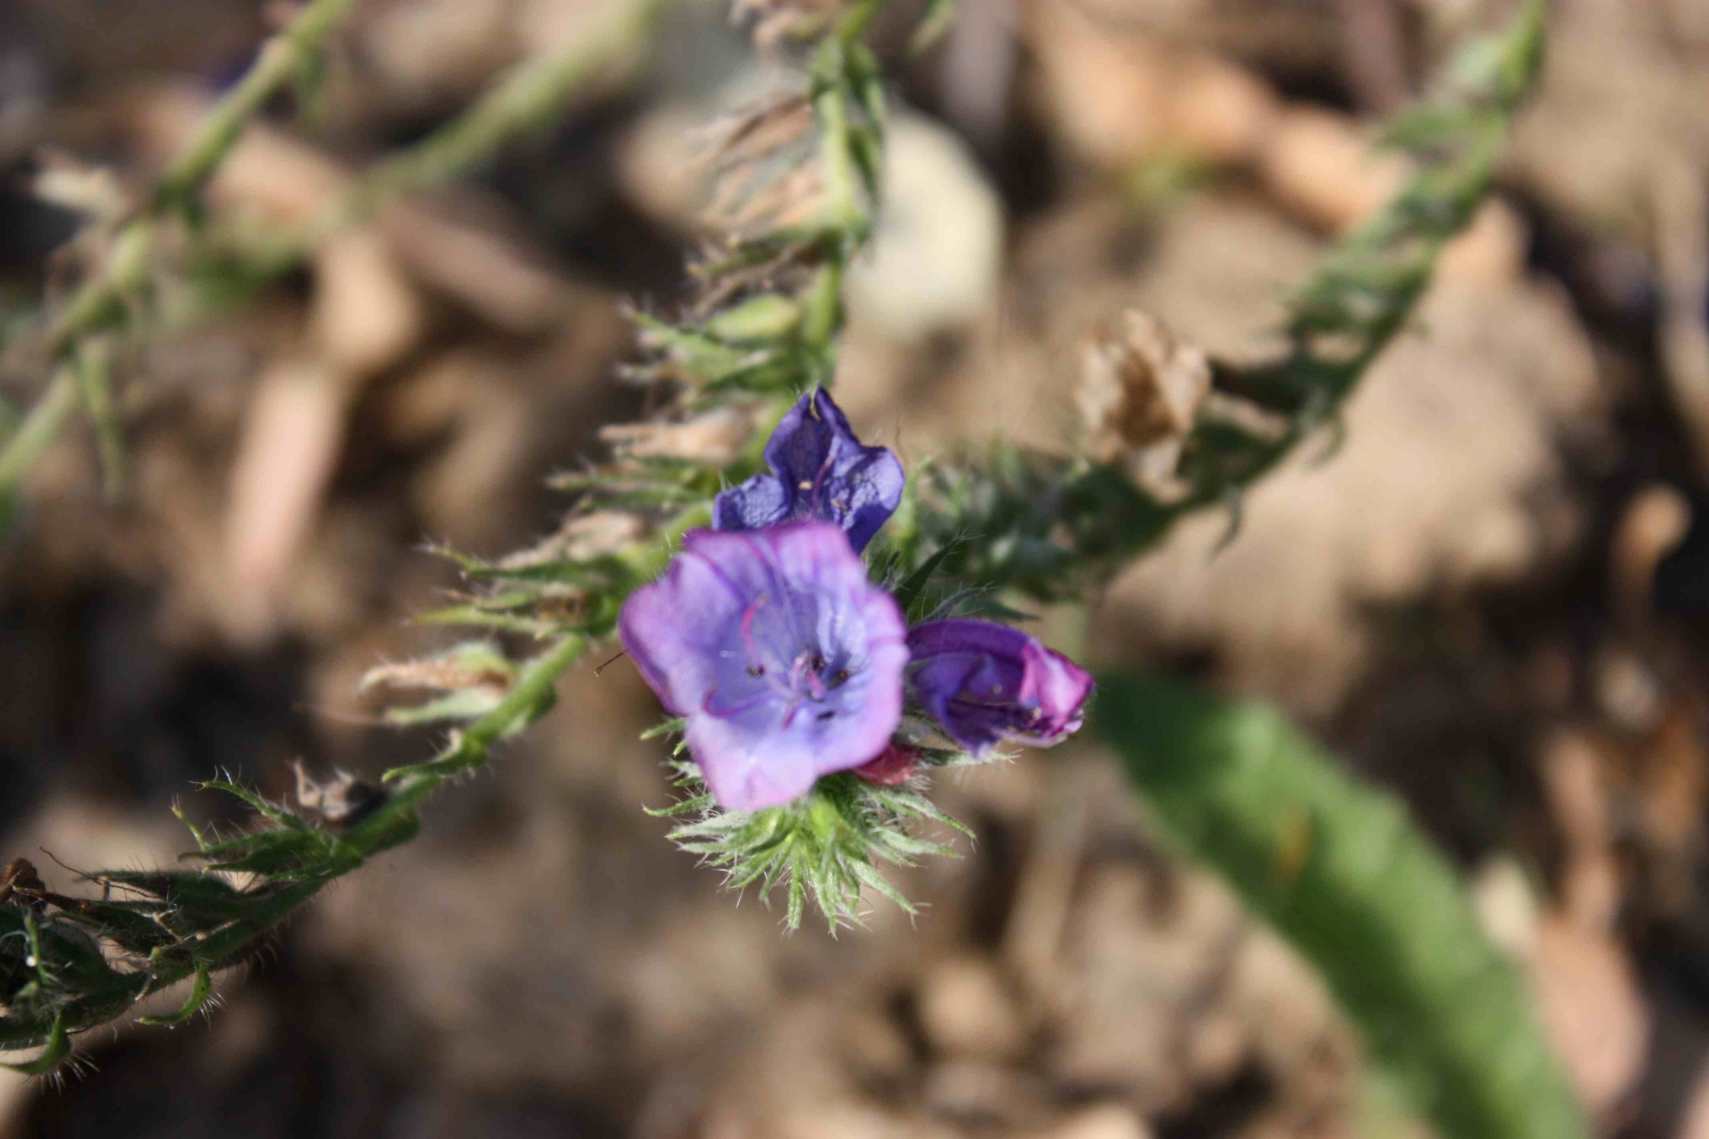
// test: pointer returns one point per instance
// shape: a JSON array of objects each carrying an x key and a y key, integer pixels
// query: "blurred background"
[{"x": 1491, "y": 598}]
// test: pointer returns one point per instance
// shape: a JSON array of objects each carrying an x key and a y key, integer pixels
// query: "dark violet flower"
[
  {"x": 818, "y": 470},
  {"x": 985, "y": 682},
  {"x": 784, "y": 660}
]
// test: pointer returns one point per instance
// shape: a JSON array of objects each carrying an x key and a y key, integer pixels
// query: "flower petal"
[
  {"x": 784, "y": 659},
  {"x": 678, "y": 657},
  {"x": 984, "y": 683},
  {"x": 752, "y": 505},
  {"x": 818, "y": 470}
]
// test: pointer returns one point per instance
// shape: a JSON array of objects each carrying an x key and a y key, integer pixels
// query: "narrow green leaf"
[
  {"x": 940, "y": 14},
  {"x": 258, "y": 803},
  {"x": 1339, "y": 871},
  {"x": 200, "y": 987},
  {"x": 54, "y": 1052},
  {"x": 910, "y": 592},
  {"x": 467, "y": 704},
  {"x": 93, "y": 364}
]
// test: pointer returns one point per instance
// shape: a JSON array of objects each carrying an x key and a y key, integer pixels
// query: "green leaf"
[
  {"x": 280, "y": 853},
  {"x": 129, "y": 925},
  {"x": 191, "y": 899},
  {"x": 767, "y": 317},
  {"x": 531, "y": 696},
  {"x": 262, "y": 806},
  {"x": 912, "y": 589},
  {"x": 58, "y": 1047},
  {"x": 1340, "y": 871},
  {"x": 200, "y": 988},
  {"x": 938, "y": 17},
  {"x": 825, "y": 846},
  {"x": 468, "y": 704}
]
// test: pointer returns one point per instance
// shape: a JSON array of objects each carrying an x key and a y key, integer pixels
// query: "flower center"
[
  {"x": 806, "y": 677},
  {"x": 805, "y": 672}
]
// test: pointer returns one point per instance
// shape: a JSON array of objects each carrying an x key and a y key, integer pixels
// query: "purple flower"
[
  {"x": 785, "y": 661},
  {"x": 819, "y": 470},
  {"x": 984, "y": 683}
]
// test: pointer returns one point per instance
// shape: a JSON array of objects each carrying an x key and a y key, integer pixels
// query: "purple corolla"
[
  {"x": 784, "y": 660},
  {"x": 984, "y": 683},
  {"x": 818, "y": 470}
]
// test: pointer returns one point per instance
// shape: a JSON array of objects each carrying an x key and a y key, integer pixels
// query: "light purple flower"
[
  {"x": 985, "y": 683},
  {"x": 784, "y": 660},
  {"x": 818, "y": 470}
]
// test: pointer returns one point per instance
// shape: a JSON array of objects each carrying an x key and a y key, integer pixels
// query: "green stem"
[
  {"x": 280, "y": 60},
  {"x": 39, "y": 428},
  {"x": 94, "y": 369},
  {"x": 100, "y": 302},
  {"x": 528, "y": 98}
]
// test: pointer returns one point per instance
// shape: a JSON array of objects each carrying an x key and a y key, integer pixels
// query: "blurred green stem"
[
  {"x": 527, "y": 98},
  {"x": 38, "y": 428},
  {"x": 93, "y": 365},
  {"x": 281, "y": 59},
  {"x": 101, "y": 301}
]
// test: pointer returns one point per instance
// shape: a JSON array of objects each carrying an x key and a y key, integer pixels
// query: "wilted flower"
[
  {"x": 1139, "y": 392},
  {"x": 985, "y": 683},
  {"x": 819, "y": 470},
  {"x": 340, "y": 801},
  {"x": 785, "y": 662}
]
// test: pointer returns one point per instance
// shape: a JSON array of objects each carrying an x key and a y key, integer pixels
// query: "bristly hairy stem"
[
  {"x": 799, "y": 351},
  {"x": 1044, "y": 525},
  {"x": 171, "y": 926},
  {"x": 162, "y": 928},
  {"x": 167, "y": 928}
]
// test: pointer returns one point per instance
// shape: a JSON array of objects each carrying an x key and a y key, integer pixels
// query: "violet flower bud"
[
  {"x": 985, "y": 683},
  {"x": 892, "y": 767},
  {"x": 818, "y": 470},
  {"x": 785, "y": 661}
]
